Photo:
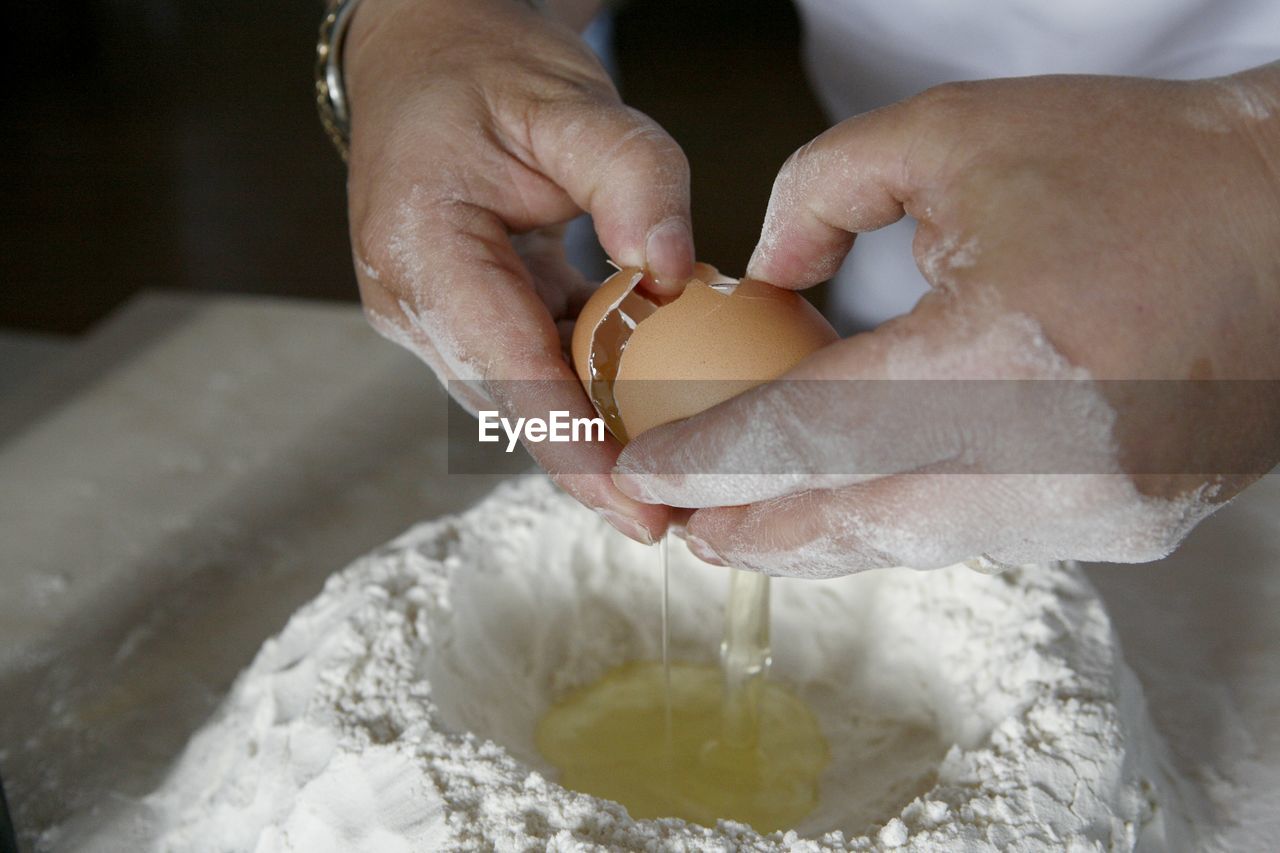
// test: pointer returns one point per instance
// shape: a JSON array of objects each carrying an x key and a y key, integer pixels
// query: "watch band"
[{"x": 331, "y": 93}]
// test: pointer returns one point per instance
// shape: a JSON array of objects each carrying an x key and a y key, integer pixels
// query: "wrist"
[
  {"x": 445, "y": 19},
  {"x": 385, "y": 29},
  {"x": 391, "y": 40},
  {"x": 389, "y": 35}
]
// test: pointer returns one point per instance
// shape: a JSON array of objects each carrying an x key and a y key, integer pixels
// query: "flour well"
[{"x": 397, "y": 710}]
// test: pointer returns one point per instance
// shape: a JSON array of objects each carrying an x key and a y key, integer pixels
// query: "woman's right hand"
[{"x": 478, "y": 127}]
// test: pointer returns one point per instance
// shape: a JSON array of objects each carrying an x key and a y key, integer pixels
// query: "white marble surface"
[
  {"x": 179, "y": 484},
  {"x": 22, "y": 354},
  {"x": 169, "y": 493}
]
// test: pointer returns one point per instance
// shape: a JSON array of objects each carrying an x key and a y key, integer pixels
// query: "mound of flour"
[{"x": 396, "y": 711}]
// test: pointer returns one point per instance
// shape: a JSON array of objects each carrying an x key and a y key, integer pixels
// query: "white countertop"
[{"x": 178, "y": 484}]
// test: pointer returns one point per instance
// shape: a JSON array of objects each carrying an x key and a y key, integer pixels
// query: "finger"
[
  {"x": 629, "y": 174},
  {"x": 857, "y": 176},
  {"x": 924, "y": 521},
  {"x": 476, "y": 303},
  {"x": 958, "y": 392},
  {"x": 827, "y": 423},
  {"x": 941, "y": 517},
  {"x": 389, "y": 318},
  {"x": 580, "y": 468}
]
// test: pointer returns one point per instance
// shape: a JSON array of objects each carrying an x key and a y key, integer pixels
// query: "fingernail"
[
  {"x": 628, "y": 526},
  {"x": 703, "y": 551},
  {"x": 635, "y": 487},
  {"x": 668, "y": 252},
  {"x": 760, "y": 263}
]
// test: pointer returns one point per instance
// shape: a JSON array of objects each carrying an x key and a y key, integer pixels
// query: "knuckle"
[
  {"x": 955, "y": 90},
  {"x": 946, "y": 99},
  {"x": 549, "y": 100},
  {"x": 801, "y": 165},
  {"x": 587, "y": 90},
  {"x": 642, "y": 142}
]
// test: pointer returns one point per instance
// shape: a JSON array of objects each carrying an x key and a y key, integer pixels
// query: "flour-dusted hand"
[
  {"x": 1075, "y": 229},
  {"x": 479, "y": 126}
]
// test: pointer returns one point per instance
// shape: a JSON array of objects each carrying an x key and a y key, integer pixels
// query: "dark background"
[{"x": 164, "y": 144}]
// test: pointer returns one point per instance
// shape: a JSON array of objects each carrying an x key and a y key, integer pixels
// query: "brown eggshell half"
[
  {"x": 740, "y": 339},
  {"x": 593, "y": 312}
]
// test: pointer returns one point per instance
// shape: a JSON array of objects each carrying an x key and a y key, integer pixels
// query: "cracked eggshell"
[
  {"x": 732, "y": 340},
  {"x": 605, "y": 299}
]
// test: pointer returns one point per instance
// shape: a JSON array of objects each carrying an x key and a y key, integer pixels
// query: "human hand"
[
  {"x": 478, "y": 126},
  {"x": 1072, "y": 228}
]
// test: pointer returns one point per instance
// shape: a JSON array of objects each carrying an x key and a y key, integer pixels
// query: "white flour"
[{"x": 396, "y": 711}]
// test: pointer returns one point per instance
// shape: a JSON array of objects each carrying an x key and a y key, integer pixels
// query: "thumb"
[
  {"x": 830, "y": 421},
  {"x": 620, "y": 166},
  {"x": 857, "y": 176}
]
